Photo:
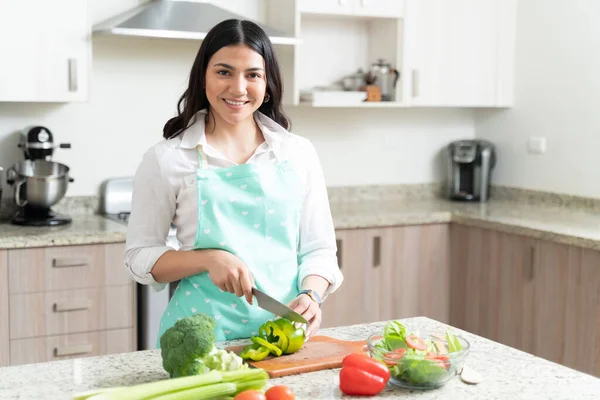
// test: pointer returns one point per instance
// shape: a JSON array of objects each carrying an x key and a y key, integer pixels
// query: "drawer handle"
[
  {"x": 72, "y": 350},
  {"x": 338, "y": 243},
  {"x": 376, "y": 251},
  {"x": 70, "y": 262},
  {"x": 71, "y": 305}
]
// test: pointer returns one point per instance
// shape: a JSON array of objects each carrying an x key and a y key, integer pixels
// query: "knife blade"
[{"x": 274, "y": 306}]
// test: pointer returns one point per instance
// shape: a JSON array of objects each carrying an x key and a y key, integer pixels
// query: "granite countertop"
[
  {"x": 507, "y": 373},
  {"x": 560, "y": 224}
]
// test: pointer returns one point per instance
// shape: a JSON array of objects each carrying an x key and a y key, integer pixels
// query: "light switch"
[{"x": 536, "y": 145}]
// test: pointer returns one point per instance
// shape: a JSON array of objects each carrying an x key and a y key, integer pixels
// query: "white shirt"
[{"x": 164, "y": 191}]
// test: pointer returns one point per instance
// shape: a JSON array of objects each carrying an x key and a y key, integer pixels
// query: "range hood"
[{"x": 177, "y": 19}]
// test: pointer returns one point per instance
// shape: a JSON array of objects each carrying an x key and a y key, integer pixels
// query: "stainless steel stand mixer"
[{"x": 38, "y": 182}]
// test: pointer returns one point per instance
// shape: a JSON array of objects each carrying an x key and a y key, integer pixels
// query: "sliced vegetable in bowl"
[{"x": 419, "y": 359}]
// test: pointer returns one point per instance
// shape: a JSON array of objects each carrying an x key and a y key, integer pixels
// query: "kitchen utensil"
[
  {"x": 46, "y": 182},
  {"x": 383, "y": 75},
  {"x": 355, "y": 81},
  {"x": 319, "y": 353},
  {"x": 270, "y": 304},
  {"x": 37, "y": 143}
]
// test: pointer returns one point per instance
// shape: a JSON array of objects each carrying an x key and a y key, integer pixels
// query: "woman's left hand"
[{"x": 310, "y": 310}]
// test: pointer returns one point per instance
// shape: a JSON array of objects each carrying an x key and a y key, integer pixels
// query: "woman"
[{"x": 248, "y": 197}]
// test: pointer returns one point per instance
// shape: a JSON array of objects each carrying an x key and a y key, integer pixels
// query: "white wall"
[
  {"x": 557, "y": 96},
  {"x": 135, "y": 85}
]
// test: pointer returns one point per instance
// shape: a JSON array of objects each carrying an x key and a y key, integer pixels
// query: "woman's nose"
[{"x": 238, "y": 86}]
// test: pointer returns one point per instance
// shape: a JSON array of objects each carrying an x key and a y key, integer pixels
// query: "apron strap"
[{"x": 202, "y": 161}]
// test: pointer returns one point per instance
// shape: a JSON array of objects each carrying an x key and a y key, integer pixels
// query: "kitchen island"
[{"x": 507, "y": 373}]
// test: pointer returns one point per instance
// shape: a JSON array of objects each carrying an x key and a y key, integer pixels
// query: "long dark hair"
[{"x": 227, "y": 33}]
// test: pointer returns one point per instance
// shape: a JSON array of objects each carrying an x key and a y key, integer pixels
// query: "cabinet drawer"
[
  {"x": 53, "y": 348},
  {"x": 68, "y": 267},
  {"x": 71, "y": 311}
]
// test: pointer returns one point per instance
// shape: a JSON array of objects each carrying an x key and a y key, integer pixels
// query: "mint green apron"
[{"x": 252, "y": 211}]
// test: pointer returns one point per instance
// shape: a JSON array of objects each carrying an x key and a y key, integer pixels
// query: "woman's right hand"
[{"x": 230, "y": 274}]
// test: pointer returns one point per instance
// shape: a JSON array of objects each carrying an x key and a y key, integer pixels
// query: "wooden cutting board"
[{"x": 319, "y": 353}]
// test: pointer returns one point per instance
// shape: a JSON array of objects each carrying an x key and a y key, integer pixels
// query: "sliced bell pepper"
[
  {"x": 254, "y": 352},
  {"x": 272, "y": 348},
  {"x": 362, "y": 375},
  {"x": 295, "y": 341}
]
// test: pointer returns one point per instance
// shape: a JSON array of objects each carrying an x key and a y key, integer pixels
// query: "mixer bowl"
[{"x": 45, "y": 182}]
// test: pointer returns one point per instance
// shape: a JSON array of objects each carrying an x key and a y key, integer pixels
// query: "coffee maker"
[
  {"x": 38, "y": 182},
  {"x": 470, "y": 165}
]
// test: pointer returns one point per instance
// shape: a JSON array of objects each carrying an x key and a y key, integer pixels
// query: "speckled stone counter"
[
  {"x": 85, "y": 229},
  {"x": 507, "y": 373},
  {"x": 560, "y": 224}
]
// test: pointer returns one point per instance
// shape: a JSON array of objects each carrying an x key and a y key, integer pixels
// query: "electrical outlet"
[{"x": 536, "y": 145}]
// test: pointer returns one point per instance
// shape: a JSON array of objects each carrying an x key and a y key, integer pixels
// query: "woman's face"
[{"x": 235, "y": 83}]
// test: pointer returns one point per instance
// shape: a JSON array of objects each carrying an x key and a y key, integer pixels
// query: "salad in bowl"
[{"x": 418, "y": 359}]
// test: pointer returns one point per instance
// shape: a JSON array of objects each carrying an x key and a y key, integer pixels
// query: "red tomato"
[
  {"x": 250, "y": 395},
  {"x": 416, "y": 342},
  {"x": 280, "y": 392},
  {"x": 439, "y": 359}
]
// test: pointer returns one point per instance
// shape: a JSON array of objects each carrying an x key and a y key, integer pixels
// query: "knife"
[{"x": 272, "y": 305}]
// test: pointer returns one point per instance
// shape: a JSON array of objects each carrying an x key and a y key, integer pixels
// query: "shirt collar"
[{"x": 195, "y": 134}]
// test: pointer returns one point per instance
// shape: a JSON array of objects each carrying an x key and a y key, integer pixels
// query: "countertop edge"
[{"x": 345, "y": 222}]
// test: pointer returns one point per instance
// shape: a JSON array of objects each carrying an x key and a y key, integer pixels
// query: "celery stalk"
[
  {"x": 232, "y": 381},
  {"x": 200, "y": 393},
  {"x": 148, "y": 390}
]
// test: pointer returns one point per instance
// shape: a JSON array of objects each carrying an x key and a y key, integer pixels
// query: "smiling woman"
[{"x": 248, "y": 197}]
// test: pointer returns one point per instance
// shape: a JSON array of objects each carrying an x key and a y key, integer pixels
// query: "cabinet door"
[
  {"x": 45, "y": 47},
  {"x": 492, "y": 285},
  {"x": 380, "y": 8},
  {"x": 419, "y": 277},
  {"x": 459, "y": 52},
  {"x": 329, "y": 7},
  {"x": 346, "y": 306},
  {"x": 567, "y": 306}
]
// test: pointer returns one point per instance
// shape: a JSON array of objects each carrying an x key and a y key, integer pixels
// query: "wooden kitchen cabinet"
[
  {"x": 391, "y": 273},
  {"x": 65, "y": 301},
  {"x": 537, "y": 296},
  {"x": 459, "y": 52},
  {"x": 46, "y": 51}
]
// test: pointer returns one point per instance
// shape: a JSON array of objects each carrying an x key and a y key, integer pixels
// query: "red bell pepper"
[{"x": 362, "y": 375}]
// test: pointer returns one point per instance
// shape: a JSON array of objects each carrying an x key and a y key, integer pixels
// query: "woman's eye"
[
  {"x": 254, "y": 75},
  {"x": 223, "y": 72}
]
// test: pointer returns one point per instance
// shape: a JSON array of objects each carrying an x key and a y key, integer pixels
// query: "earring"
[{"x": 267, "y": 98}]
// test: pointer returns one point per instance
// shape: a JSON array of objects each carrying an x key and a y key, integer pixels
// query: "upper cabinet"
[
  {"x": 46, "y": 51},
  {"x": 459, "y": 52},
  {"x": 362, "y": 8},
  {"x": 438, "y": 53}
]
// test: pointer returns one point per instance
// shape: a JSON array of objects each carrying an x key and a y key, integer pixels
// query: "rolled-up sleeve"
[
  {"x": 317, "y": 247},
  {"x": 153, "y": 207}
]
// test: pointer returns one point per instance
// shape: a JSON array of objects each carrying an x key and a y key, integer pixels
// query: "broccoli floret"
[
  {"x": 191, "y": 338},
  {"x": 188, "y": 348}
]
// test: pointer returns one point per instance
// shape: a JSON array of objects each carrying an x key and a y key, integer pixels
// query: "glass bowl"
[{"x": 420, "y": 371}]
